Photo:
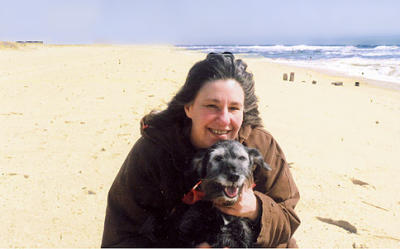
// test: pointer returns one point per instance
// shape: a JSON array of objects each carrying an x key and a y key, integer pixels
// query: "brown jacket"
[{"x": 151, "y": 183}]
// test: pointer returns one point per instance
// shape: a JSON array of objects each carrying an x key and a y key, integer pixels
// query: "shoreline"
[
  {"x": 389, "y": 85},
  {"x": 372, "y": 82},
  {"x": 374, "y": 79}
]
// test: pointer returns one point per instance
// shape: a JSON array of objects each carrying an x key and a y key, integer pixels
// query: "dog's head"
[{"x": 225, "y": 168}]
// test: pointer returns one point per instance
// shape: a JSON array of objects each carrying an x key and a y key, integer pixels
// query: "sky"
[{"x": 202, "y": 22}]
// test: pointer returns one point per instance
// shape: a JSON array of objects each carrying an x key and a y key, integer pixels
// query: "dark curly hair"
[{"x": 216, "y": 66}]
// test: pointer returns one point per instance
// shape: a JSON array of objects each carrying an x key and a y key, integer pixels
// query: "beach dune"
[{"x": 70, "y": 114}]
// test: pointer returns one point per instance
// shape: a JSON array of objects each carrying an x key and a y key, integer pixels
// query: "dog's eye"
[
  {"x": 242, "y": 158},
  {"x": 218, "y": 158}
]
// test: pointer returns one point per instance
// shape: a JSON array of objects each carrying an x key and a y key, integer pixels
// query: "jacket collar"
[{"x": 244, "y": 133}]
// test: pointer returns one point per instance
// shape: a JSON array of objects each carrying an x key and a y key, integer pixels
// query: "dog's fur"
[{"x": 225, "y": 168}]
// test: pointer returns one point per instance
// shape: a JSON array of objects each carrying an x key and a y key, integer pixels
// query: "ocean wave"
[
  {"x": 386, "y": 47},
  {"x": 376, "y": 69},
  {"x": 295, "y": 47},
  {"x": 369, "y": 61}
]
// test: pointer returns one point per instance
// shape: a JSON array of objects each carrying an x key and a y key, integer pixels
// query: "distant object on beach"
[
  {"x": 357, "y": 83},
  {"x": 37, "y": 42},
  {"x": 291, "y": 78},
  {"x": 338, "y": 83},
  {"x": 314, "y": 82}
]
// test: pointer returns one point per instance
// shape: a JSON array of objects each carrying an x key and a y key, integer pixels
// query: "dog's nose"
[{"x": 233, "y": 177}]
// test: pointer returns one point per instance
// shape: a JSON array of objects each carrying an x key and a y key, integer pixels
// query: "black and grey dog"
[{"x": 224, "y": 169}]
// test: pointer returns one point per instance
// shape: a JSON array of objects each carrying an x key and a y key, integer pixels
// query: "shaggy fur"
[{"x": 225, "y": 168}]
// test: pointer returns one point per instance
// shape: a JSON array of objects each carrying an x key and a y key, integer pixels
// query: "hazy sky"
[{"x": 202, "y": 21}]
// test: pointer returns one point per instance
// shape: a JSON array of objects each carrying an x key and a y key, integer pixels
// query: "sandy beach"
[{"x": 70, "y": 114}]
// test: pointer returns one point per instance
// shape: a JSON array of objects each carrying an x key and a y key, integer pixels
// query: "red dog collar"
[{"x": 193, "y": 195}]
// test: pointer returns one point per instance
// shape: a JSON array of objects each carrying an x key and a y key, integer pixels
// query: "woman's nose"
[{"x": 224, "y": 116}]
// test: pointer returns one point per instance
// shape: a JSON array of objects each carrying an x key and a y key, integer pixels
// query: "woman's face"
[{"x": 216, "y": 112}]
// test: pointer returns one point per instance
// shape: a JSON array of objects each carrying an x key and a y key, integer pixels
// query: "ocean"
[{"x": 373, "y": 62}]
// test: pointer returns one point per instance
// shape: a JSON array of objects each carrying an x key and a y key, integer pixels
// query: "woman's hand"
[
  {"x": 203, "y": 245},
  {"x": 247, "y": 205}
]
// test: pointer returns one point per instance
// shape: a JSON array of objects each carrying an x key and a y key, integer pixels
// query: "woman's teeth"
[{"x": 219, "y": 132}]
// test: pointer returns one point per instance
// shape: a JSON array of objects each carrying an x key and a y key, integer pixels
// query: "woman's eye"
[
  {"x": 242, "y": 158},
  {"x": 211, "y": 106},
  {"x": 234, "y": 108}
]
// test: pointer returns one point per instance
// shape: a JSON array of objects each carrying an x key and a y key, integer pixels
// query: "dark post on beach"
[{"x": 291, "y": 76}]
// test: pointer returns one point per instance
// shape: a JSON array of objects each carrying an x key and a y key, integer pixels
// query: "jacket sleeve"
[
  {"x": 134, "y": 201},
  {"x": 276, "y": 190}
]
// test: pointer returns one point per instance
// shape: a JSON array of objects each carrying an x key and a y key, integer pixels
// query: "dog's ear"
[
  {"x": 197, "y": 168},
  {"x": 256, "y": 159}
]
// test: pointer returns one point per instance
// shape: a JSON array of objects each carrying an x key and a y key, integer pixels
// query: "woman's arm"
[
  {"x": 277, "y": 192},
  {"x": 134, "y": 201}
]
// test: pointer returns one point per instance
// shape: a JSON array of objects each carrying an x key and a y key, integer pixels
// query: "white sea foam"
[
  {"x": 371, "y": 62},
  {"x": 381, "y": 70}
]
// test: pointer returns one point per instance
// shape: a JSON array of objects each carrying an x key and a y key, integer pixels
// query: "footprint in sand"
[
  {"x": 361, "y": 183},
  {"x": 340, "y": 223}
]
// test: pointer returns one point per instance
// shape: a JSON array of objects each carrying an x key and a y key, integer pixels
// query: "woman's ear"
[{"x": 188, "y": 110}]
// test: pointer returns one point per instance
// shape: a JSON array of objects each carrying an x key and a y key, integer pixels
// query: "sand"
[{"x": 70, "y": 114}]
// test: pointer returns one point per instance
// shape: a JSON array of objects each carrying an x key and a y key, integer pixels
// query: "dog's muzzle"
[{"x": 231, "y": 192}]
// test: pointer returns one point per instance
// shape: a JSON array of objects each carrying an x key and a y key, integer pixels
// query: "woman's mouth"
[{"x": 219, "y": 132}]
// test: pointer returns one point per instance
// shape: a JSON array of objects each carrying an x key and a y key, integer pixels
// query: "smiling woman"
[
  {"x": 216, "y": 112},
  {"x": 217, "y": 102}
]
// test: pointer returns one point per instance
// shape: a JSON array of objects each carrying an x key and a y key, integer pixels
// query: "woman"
[{"x": 216, "y": 102}]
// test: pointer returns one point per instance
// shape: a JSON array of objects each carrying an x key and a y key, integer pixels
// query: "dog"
[{"x": 224, "y": 169}]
